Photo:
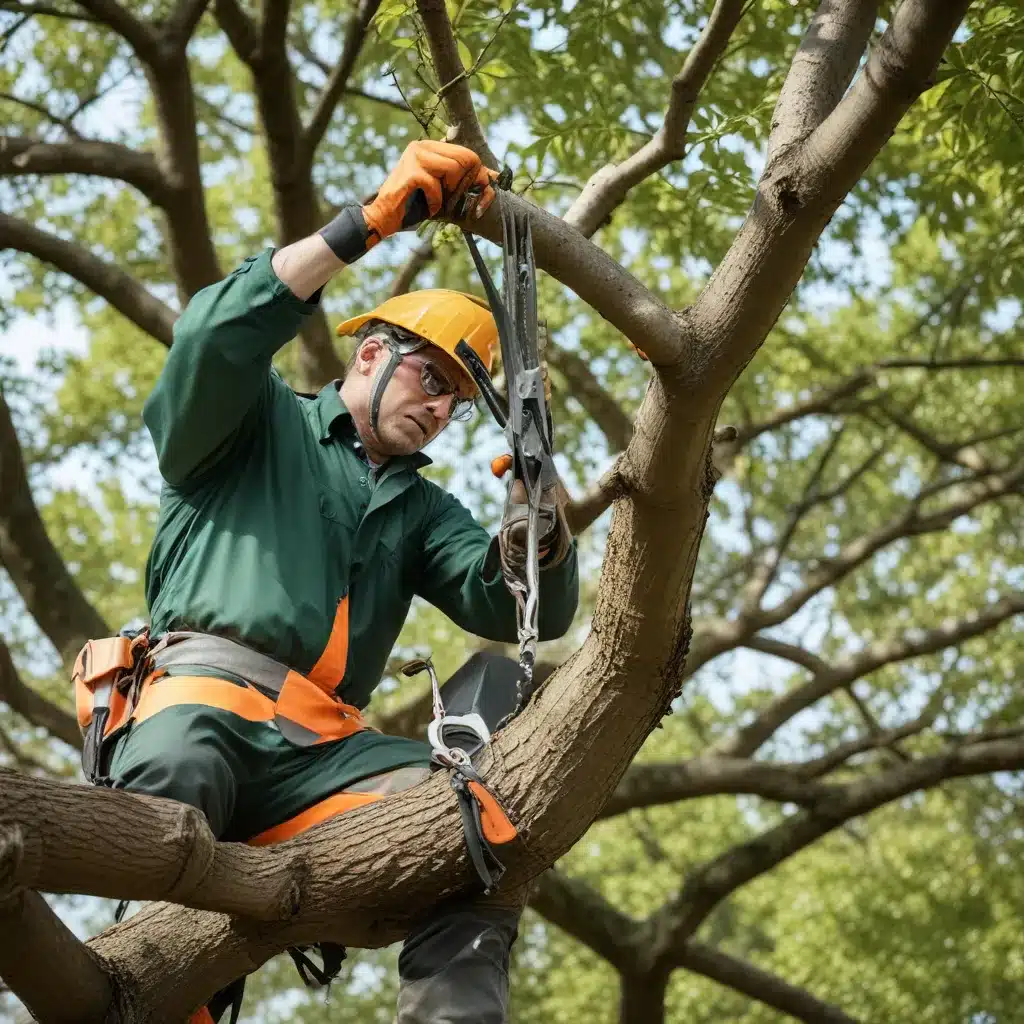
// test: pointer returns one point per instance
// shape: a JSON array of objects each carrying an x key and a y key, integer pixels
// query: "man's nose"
[{"x": 439, "y": 407}]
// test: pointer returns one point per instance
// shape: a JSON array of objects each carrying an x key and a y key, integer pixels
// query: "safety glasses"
[{"x": 435, "y": 382}]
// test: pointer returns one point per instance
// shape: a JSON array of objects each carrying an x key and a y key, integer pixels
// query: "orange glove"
[{"x": 431, "y": 177}]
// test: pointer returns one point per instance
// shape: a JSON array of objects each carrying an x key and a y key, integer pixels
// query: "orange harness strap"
[
  {"x": 330, "y": 806},
  {"x": 301, "y": 701},
  {"x": 327, "y": 673},
  {"x": 305, "y": 701},
  {"x": 160, "y": 692}
]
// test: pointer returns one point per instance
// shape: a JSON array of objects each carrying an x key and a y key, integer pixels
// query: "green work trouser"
[{"x": 246, "y": 777}]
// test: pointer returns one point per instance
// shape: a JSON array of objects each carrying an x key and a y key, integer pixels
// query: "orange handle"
[{"x": 501, "y": 465}]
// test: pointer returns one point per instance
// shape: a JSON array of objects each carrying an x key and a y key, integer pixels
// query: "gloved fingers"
[
  {"x": 457, "y": 168},
  {"x": 401, "y": 206},
  {"x": 480, "y": 195},
  {"x": 429, "y": 179}
]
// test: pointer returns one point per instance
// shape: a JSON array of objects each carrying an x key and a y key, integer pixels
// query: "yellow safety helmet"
[{"x": 442, "y": 317}]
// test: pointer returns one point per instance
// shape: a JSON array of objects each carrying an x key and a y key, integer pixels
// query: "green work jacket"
[{"x": 269, "y": 514}]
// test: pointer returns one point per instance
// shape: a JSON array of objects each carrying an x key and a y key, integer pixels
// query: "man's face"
[{"x": 409, "y": 417}]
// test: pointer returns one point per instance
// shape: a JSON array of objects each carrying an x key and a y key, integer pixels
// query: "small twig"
[
  {"x": 444, "y": 89},
  {"x": 424, "y": 124}
]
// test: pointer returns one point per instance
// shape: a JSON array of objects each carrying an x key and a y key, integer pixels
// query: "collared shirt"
[{"x": 270, "y": 514}]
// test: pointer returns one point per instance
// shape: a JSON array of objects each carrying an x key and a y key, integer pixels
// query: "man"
[{"x": 294, "y": 532}]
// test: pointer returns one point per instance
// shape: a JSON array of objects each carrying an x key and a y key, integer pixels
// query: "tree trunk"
[{"x": 642, "y": 998}]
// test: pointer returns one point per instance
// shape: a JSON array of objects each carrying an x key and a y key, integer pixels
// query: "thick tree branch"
[
  {"x": 49, "y": 591},
  {"x": 162, "y": 54},
  {"x": 192, "y": 252},
  {"x": 586, "y": 389},
  {"x": 760, "y": 985},
  {"x": 182, "y": 21},
  {"x": 580, "y": 513},
  {"x": 607, "y": 189},
  {"x": 649, "y": 785},
  {"x": 142, "y": 38},
  {"x": 828, "y": 679},
  {"x": 822, "y": 70},
  {"x": 275, "y": 22},
  {"x": 28, "y": 8},
  {"x": 710, "y": 884},
  {"x": 119, "y": 288},
  {"x": 454, "y": 84},
  {"x": 582, "y": 912},
  {"x": 296, "y": 205},
  {"x": 173, "y": 853},
  {"x": 337, "y": 82},
  {"x": 21, "y": 155},
  {"x": 33, "y": 707},
  {"x": 39, "y": 949},
  {"x": 898, "y": 70},
  {"x": 598, "y": 280},
  {"x": 800, "y": 190},
  {"x": 240, "y": 29}
]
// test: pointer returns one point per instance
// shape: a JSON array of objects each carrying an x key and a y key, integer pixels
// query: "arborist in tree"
[{"x": 294, "y": 531}]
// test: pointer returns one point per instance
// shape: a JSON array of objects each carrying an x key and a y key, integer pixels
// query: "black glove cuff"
[{"x": 347, "y": 234}]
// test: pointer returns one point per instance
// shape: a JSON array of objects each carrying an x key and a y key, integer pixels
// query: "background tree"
[{"x": 848, "y": 639}]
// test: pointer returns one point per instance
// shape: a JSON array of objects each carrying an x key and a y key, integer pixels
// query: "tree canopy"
[{"x": 774, "y": 771}]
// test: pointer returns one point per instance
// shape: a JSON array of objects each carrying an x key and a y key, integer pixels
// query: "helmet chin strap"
[{"x": 381, "y": 379}]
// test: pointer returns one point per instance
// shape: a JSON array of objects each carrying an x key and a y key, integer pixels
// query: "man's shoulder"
[{"x": 431, "y": 496}]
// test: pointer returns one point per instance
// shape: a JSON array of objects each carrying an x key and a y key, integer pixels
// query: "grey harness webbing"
[{"x": 202, "y": 651}]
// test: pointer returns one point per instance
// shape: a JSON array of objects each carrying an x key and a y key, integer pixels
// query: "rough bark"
[
  {"x": 453, "y": 81},
  {"x": 45, "y": 950},
  {"x": 822, "y": 69}
]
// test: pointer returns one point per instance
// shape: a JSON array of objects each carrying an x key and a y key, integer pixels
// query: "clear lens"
[{"x": 463, "y": 409}]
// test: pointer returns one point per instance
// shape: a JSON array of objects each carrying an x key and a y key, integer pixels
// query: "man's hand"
[
  {"x": 430, "y": 178},
  {"x": 554, "y": 537}
]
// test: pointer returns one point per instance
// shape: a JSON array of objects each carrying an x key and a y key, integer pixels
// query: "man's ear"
[{"x": 368, "y": 353}]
